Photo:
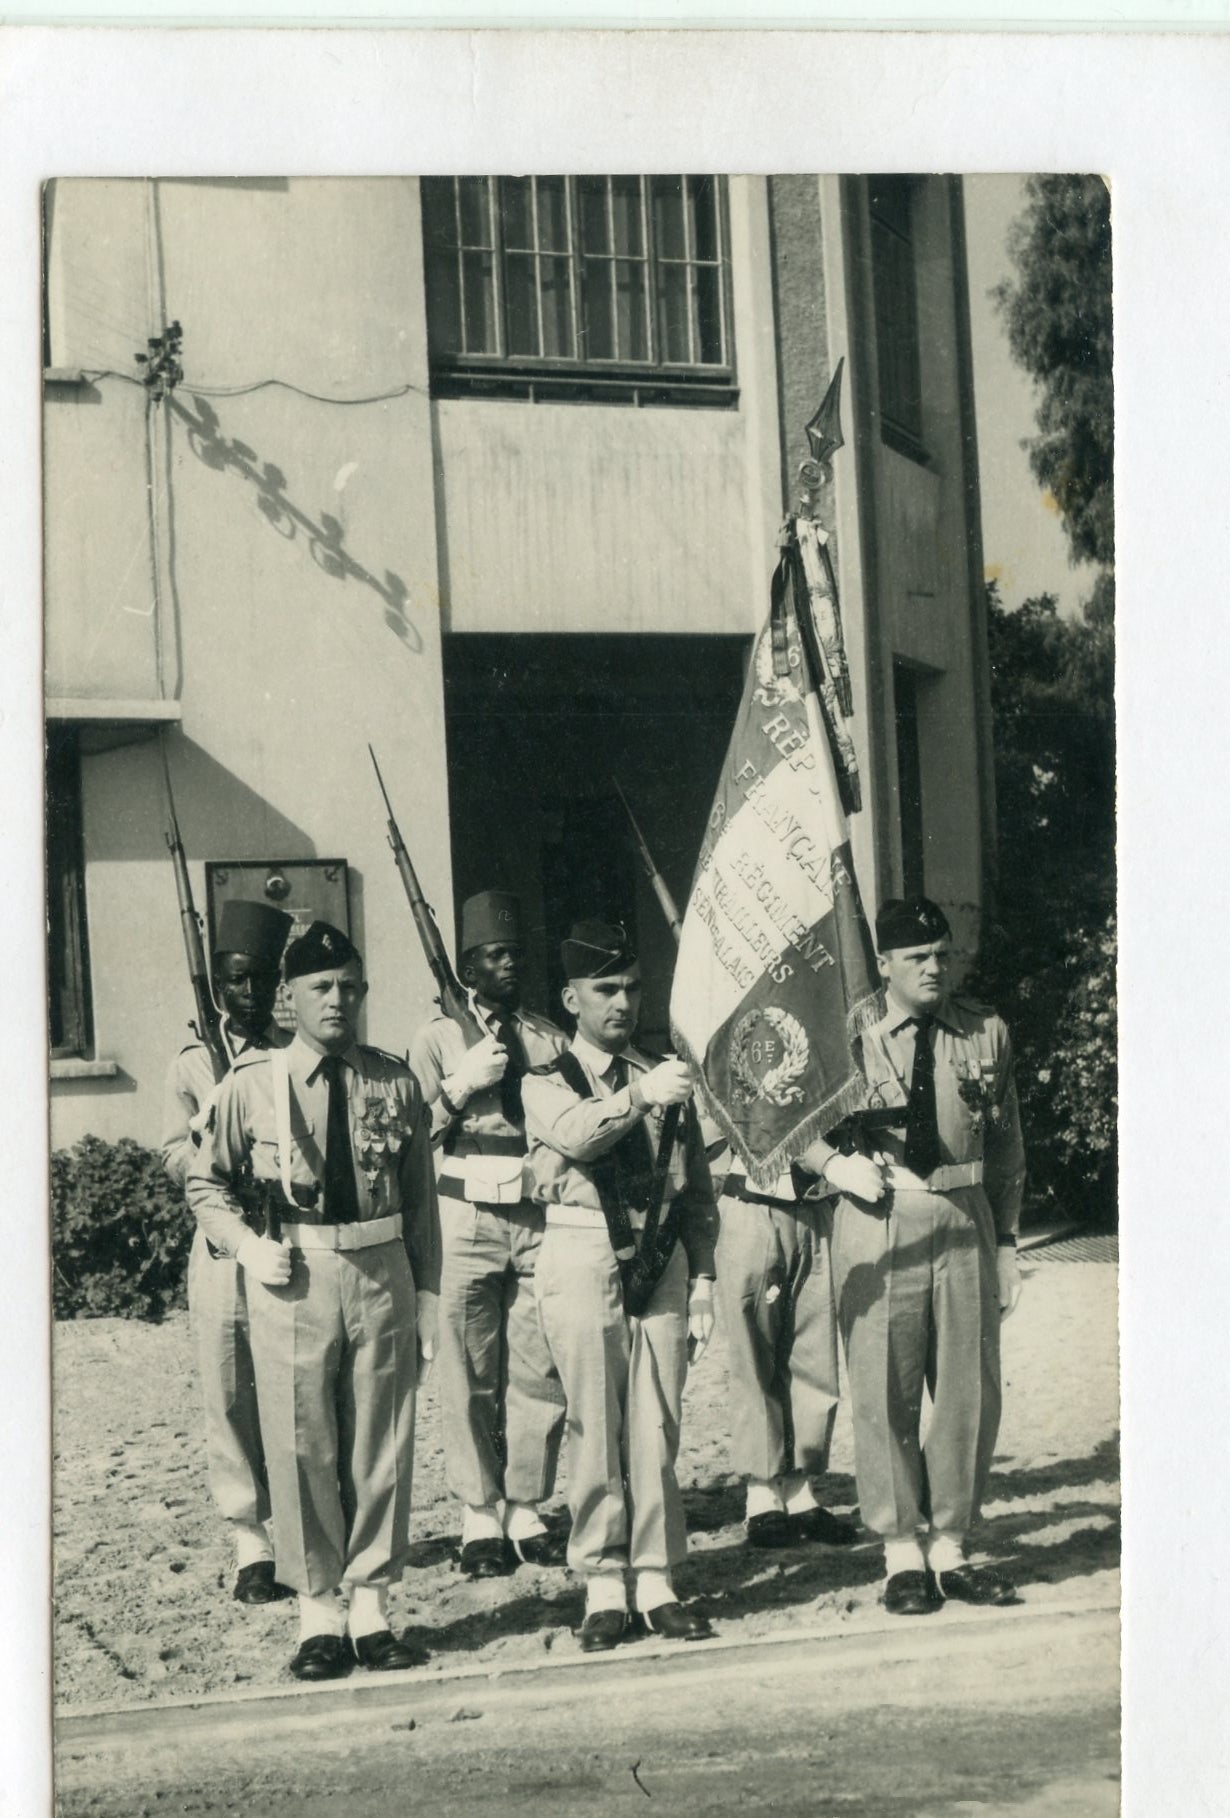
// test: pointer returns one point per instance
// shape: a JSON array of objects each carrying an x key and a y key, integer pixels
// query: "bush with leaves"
[{"x": 120, "y": 1232}]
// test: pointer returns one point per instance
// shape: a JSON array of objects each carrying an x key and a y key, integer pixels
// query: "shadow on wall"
[
  {"x": 220, "y": 817},
  {"x": 326, "y": 538}
]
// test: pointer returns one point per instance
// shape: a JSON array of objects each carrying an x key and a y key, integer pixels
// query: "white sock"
[
  {"x": 368, "y": 1612},
  {"x": 798, "y": 1494},
  {"x": 651, "y": 1589},
  {"x": 605, "y": 1591},
  {"x": 251, "y": 1543},
  {"x": 481, "y": 1521},
  {"x": 320, "y": 1615},
  {"x": 522, "y": 1521},
  {"x": 904, "y": 1554},
  {"x": 764, "y": 1496},
  {"x": 945, "y": 1552}
]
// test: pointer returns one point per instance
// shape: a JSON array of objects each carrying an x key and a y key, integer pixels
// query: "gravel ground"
[{"x": 143, "y": 1569}]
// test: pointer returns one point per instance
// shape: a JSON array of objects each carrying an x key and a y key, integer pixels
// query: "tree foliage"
[
  {"x": 1059, "y": 318},
  {"x": 1048, "y": 956}
]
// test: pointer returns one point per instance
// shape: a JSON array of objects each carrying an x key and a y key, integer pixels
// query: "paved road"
[{"x": 967, "y": 1712}]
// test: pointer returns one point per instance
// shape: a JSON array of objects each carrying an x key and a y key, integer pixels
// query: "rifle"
[
  {"x": 450, "y": 994},
  {"x": 208, "y": 1024},
  {"x": 660, "y": 888}
]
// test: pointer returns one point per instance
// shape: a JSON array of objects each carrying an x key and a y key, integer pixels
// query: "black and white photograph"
[{"x": 581, "y": 986}]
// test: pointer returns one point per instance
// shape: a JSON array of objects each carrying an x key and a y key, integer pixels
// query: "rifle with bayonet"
[
  {"x": 208, "y": 1024},
  {"x": 450, "y": 993},
  {"x": 657, "y": 881}
]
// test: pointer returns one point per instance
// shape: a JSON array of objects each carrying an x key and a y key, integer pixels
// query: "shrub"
[{"x": 120, "y": 1232}]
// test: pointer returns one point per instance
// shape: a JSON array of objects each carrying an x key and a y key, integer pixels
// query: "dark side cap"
[
  {"x": 492, "y": 915},
  {"x": 595, "y": 949},
  {"x": 320, "y": 948},
  {"x": 255, "y": 928},
  {"x": 912, "y": 923}
]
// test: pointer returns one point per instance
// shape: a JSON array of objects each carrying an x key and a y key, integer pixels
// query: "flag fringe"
[{"x": 850, "y": 1096}]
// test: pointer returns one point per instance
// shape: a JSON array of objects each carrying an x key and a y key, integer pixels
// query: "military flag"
[{"x": 776, "y": 974}]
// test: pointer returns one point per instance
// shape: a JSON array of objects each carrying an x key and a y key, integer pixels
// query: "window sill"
[
  {"x": 545, "y": 386},
  {"x": 76, "y": 1068}
]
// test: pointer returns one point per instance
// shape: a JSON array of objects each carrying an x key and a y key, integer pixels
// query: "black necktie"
[
  {"x": 341, "y": 1193},
  {"x": 505, "y": 1032},
  {"x": 631, "y": 1155},
  {"x": 922, "y": 1130}
]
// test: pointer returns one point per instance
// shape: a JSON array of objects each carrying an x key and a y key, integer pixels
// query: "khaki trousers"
[
  {"x": 918, "y": 1303},
  {"x": 218, "y": 1313},
  {"x": 775, "y": 1296},
  {"x": 501, "y": 1397},
  {"x": 623, "y": 1383},
  {"x": 336, "y": 1356}
]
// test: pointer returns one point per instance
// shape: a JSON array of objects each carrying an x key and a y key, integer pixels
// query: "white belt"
[
  {"x": 364, "y": 1235},
  {"x": 588, "y": 1218},
  {"x": 940, "y": 1180}
]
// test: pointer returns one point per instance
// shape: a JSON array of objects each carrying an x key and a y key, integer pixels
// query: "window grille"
[{"x": 609, "y": 287}]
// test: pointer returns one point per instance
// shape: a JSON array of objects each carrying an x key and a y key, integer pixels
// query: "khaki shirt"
[
  {"x": 390, "y": 1147},
  {"x": 566, "y": 1133},
  {"x": 975, "y": 1097},
  {"x": 190, "y": 1085}
]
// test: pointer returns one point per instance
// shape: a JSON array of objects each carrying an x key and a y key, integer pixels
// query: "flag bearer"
[
  {"x": 503, "y": 1406},
  {"x": 342, "y": 1293},
  {"x": 245, "y": 982},
  {"x": 593, "y": 1118},
  {"x": 924, "y": 1264}
]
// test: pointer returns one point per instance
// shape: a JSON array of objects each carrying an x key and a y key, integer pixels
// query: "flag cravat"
[
  {"x": 341, "y": 1193},
  {"x": 922, "y": 1130}
]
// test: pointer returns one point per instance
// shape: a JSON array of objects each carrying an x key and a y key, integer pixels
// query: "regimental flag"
[{"x": 776, "y": 976}]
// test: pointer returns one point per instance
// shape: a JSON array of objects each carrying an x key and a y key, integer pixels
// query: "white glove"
[
  {"x": 669, "y": 1083},
  {"x": 264, "y": 1260},
  {"x": 1009, "y": 1271},
  {"x": 857, "y": 1176},
  {"x": 482, "y": 1066},
  {"x": 700, "y": 1317},
  {"x": 427, "y": 1326}
]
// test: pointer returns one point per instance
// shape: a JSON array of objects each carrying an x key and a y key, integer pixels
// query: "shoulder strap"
[
  {"x": 604, "y": 1171},
  {"x": 571, "y": 1072}
]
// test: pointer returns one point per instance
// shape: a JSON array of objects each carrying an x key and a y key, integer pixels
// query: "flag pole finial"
[{"x": 824, "y": 438}]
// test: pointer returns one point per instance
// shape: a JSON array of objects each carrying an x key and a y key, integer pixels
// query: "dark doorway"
[{"x": 539, "y": 728}]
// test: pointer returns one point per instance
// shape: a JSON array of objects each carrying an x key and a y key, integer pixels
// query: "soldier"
[
  {"x": 924, "y": 1264},
  {"x": 775, "y": 1292},
  {"x": 593, "y": 1118},
  {"x": 347, "y": 1274},
  {"x": 503, "y": 1407},
  {"x": 245, "y": 982}
]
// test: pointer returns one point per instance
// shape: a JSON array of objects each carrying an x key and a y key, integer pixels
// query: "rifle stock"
[
  {"x": 450, "y": 994},
  {"x": 208, "y": 1024}
]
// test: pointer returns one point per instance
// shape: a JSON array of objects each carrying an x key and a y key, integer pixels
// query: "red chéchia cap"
[
  {"x": 255, "y": 928},
  {"x": 492, "y": 915}
]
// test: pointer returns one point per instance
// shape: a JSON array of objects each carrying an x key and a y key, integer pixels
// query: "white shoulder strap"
[{"x": 281, "y": 1115}]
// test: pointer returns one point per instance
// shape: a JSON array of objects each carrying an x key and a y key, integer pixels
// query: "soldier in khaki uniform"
[
  {"x": 503, "y": 1406},
  {"x": 342, "y": 1294},
  {"x": 245, "y": 982},
  {"x": 924, "y": 1264},
  {"x": 593, "y": 1119}
]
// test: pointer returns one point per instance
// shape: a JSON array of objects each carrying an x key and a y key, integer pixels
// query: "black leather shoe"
[
  {"x": 541, "y": 1549},
  {"x": 382, "y": 1652},
  {"x": 675, "y": 1623},
  {"x": 820, "y": 1524},
  {"x": 602, "y": 1629},
  {"x": 488, "y": 1558},
  {"x": 912, "y": 1594},
  {"x": 322, "y": 1657},
  {"x": 977, "y": 1584},
  {"x": 769, "y": 1529},
  {"x": 257, "y": 1584}
]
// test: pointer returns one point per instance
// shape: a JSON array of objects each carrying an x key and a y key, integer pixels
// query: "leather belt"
[
  {"x": 736, "y": 1187},
  {"x": 940, "y": 1180},
  {"x": 364, "y": 1235},
  {"x": 485, "y": 1145},
  {"x": 449, "y": 1187},
  {"x": 588, "y": 1218}
]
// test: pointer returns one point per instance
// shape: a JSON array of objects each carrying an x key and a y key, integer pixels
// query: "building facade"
[{"x": 485, "y": 473}]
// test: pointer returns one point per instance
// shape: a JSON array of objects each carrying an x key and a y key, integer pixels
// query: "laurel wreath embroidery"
[{"x": 778, "y": 1084}]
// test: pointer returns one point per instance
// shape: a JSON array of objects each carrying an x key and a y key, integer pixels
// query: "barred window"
[
  {"x": 602, "y": 287},
  {"x": 895, "y": 290}
]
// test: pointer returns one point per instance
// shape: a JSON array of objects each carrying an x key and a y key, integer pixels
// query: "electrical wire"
[{"x": 238, "y": 391}]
